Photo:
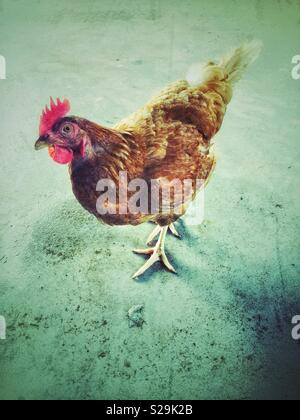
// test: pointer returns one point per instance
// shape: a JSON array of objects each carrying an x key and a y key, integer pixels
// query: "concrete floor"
[{"x": 222, "y": 327}]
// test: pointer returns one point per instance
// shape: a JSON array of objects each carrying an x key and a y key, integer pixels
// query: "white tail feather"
[{"x": 231, "y": 68}]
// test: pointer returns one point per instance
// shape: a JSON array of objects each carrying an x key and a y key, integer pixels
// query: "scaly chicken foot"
[
  {"x": 157, "y": 231},
  {"x": 157, "y": 253},
  {"x": 174, "y": 231}
]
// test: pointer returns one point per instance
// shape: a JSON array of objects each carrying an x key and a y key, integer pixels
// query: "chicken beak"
[{"x": 42, "y": 143}]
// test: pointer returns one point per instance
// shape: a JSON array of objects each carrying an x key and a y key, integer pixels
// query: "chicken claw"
[{"x": 157, "y": 253}]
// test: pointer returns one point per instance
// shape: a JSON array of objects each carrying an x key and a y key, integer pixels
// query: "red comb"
[{"x": 50, "y": 116}]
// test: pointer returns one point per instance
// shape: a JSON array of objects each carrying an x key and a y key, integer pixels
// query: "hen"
[{"x": 147, "y": 167}]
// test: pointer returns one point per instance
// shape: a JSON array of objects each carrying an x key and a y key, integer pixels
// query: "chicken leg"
[
  {"x": 157, "y": 253},
  {"x": 157, "y": 231}
]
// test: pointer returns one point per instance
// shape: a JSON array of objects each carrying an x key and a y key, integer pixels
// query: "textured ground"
[{"x": 222, "y": 327}]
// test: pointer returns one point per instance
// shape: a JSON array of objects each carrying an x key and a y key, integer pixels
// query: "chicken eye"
[{"x": 67, "y": 129}]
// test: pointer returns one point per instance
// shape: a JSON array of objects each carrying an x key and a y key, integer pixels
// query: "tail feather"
[
  {"x": 230, "y": 69},
  {"x": 239, "y": 60}
]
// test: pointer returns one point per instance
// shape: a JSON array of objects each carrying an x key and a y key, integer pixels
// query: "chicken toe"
[{"x": 174, "y": 232}]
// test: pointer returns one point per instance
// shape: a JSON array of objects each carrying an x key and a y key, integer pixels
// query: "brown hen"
[{"x": 164, "y": 150}]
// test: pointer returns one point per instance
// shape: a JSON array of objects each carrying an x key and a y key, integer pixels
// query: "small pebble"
[{"x": 135, "y": 316}]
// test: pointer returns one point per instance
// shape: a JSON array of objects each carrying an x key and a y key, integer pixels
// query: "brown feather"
[{"x": 170, "y": 138}]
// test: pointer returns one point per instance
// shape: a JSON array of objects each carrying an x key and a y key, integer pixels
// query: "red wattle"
[{"x": 61, "y": 155}]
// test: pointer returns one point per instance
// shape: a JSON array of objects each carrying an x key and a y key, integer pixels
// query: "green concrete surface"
[{"x": 221, "y": 329}]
